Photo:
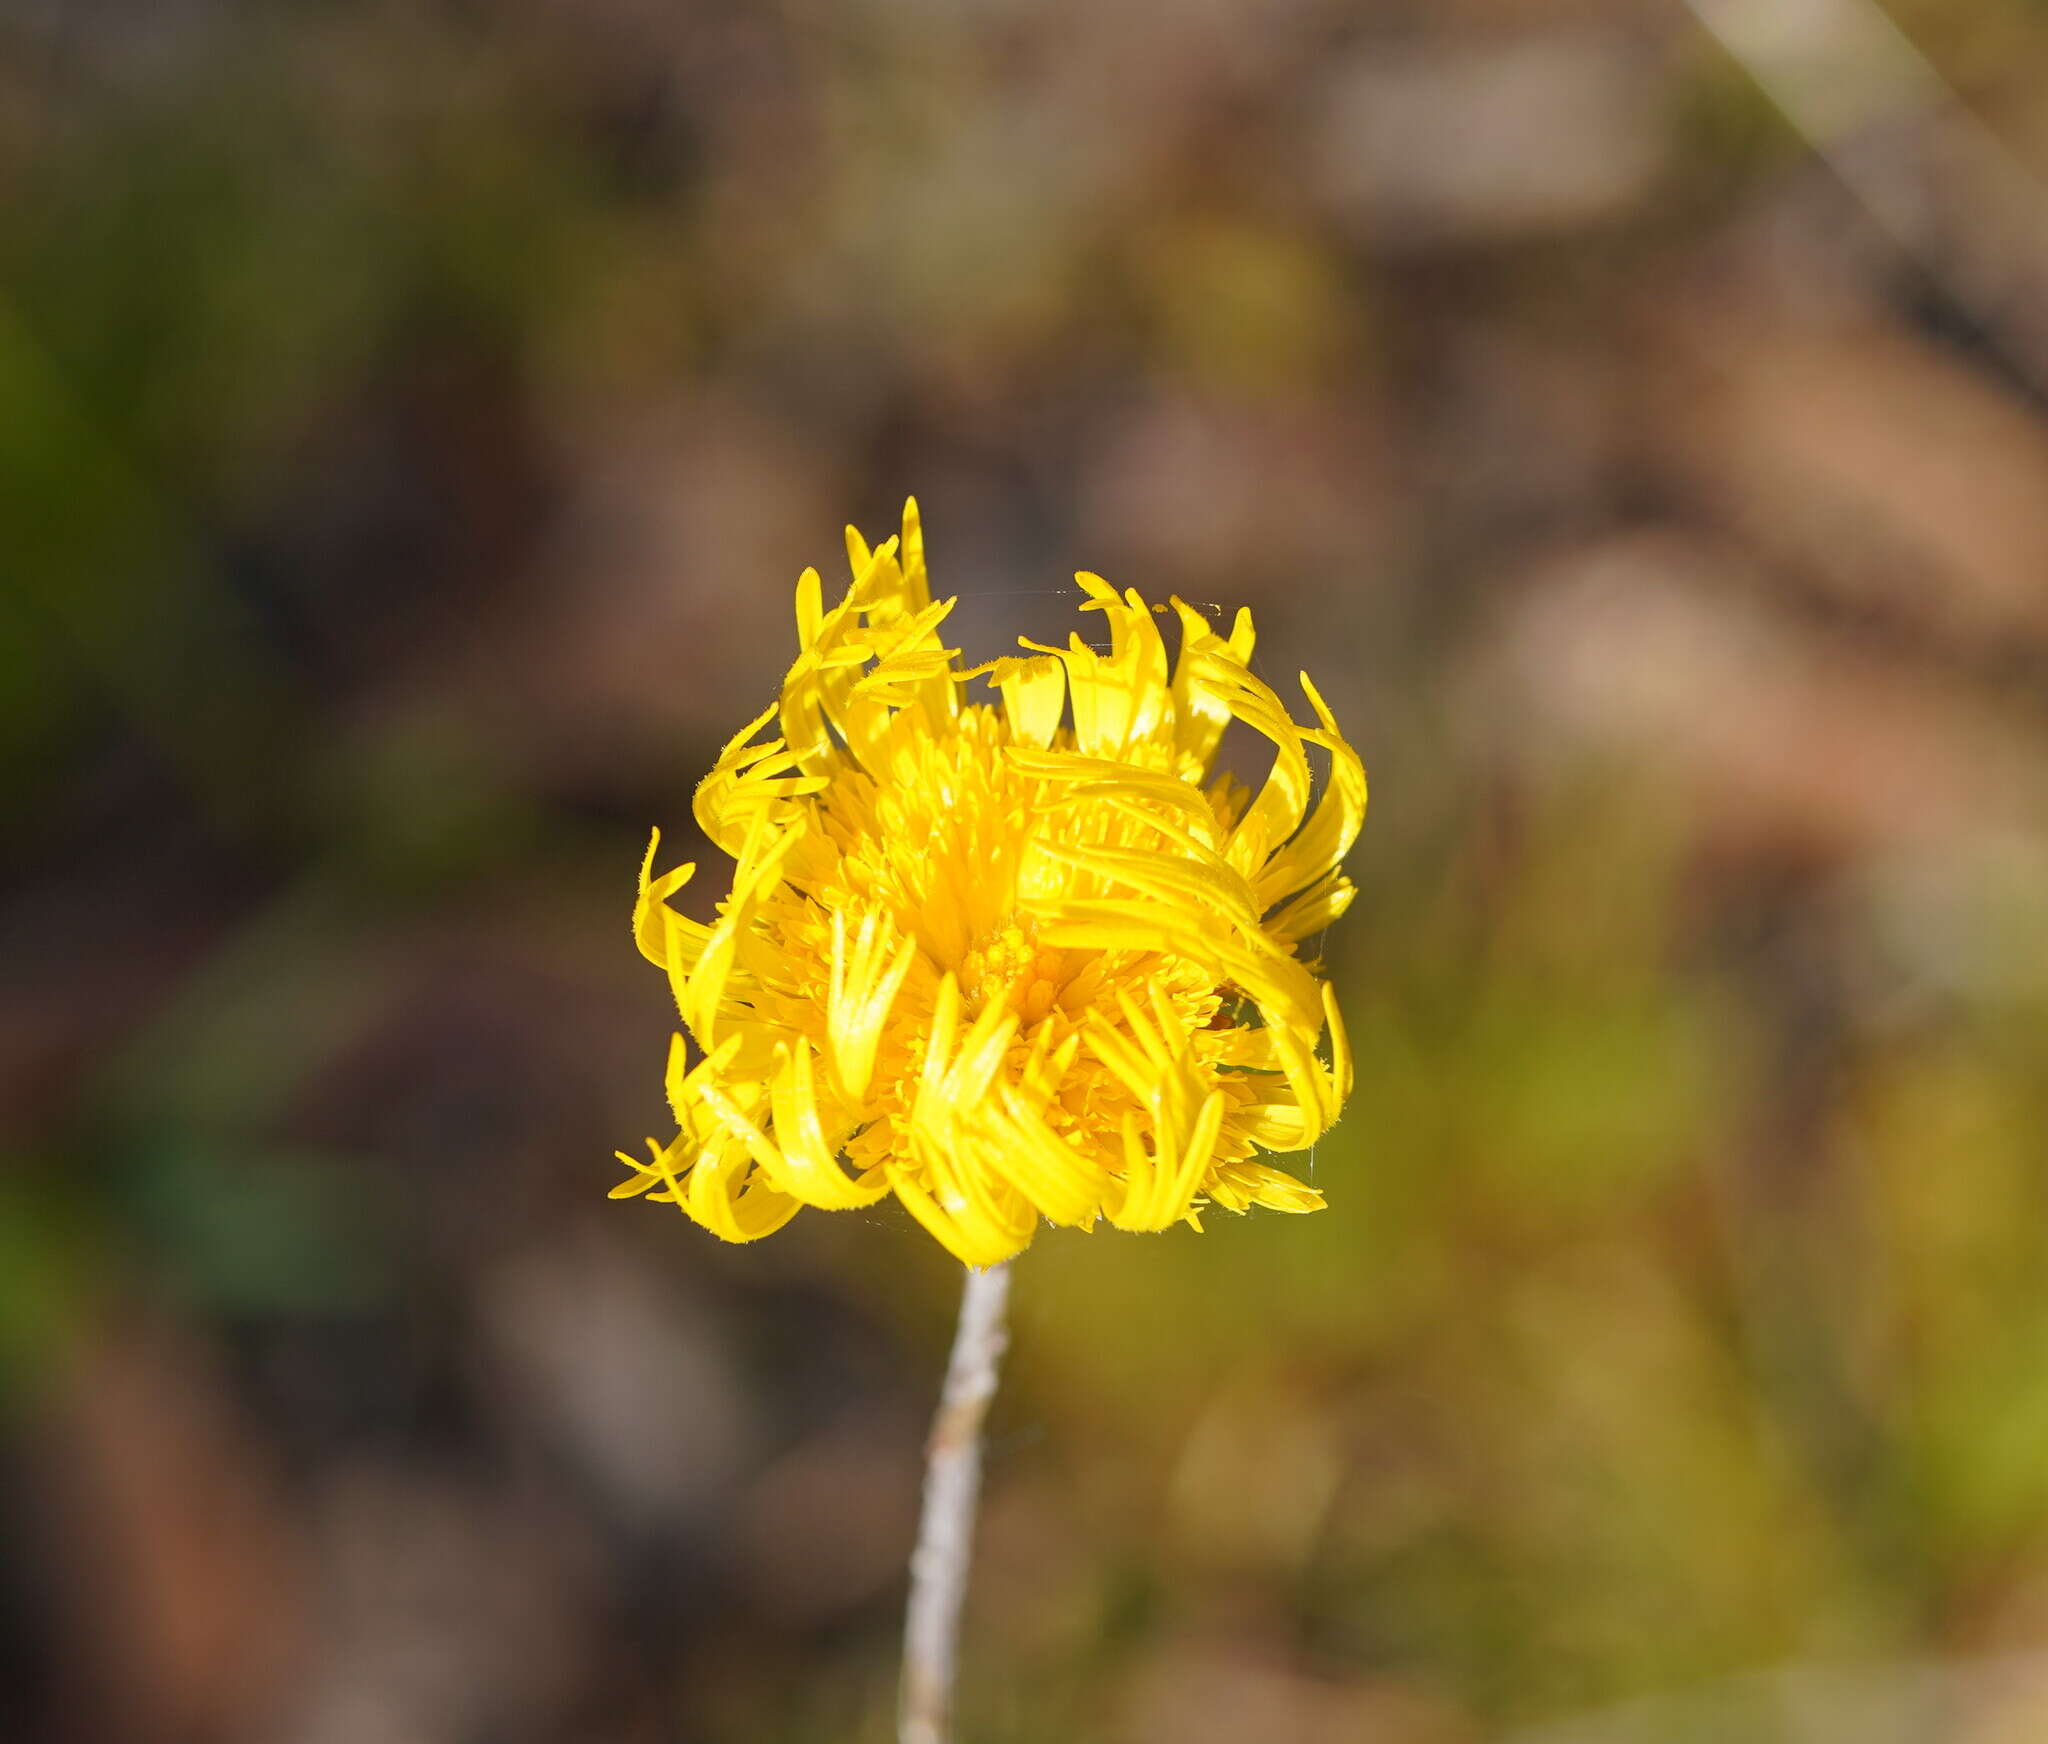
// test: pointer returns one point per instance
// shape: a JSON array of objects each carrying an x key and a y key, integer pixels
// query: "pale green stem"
[{"x": 945, "y": 1530}]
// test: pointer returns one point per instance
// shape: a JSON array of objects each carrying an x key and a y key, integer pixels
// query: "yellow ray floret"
[{"x": 1008, "y": 961}]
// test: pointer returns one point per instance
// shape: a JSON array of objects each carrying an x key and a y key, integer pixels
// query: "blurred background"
[{"x": 412, "y": 421}]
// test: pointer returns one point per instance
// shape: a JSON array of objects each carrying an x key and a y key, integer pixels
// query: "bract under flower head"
[{"x": 1011, "y": 960}]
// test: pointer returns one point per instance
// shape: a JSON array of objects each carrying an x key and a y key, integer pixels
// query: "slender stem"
[{"x": 945, "y": 1532}]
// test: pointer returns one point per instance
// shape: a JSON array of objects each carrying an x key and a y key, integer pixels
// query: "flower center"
[{"x": 1009, "y": 966}]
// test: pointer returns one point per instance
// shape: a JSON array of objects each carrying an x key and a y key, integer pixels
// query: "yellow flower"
[{"x": 1004, "y": 960}]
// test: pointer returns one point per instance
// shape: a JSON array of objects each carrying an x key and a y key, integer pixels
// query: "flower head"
[{"x": 1005, "y": 960}]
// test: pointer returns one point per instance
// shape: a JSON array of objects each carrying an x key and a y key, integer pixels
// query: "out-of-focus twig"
[{"x": 1943, "y": 187}]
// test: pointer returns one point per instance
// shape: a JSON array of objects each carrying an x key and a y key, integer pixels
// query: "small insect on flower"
[{"x": 1011, "y": 960}]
